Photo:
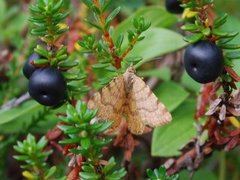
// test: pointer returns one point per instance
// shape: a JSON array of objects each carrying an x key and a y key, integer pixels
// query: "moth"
[{"x": 128, "y": 97}]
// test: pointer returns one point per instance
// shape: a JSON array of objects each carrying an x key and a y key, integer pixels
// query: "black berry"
[
  {"x": 203, "y": 61},
  {"x": 47, "y": 86},
  {"x": 173, "y": 6},
  {"x": 28, "y": 68}
]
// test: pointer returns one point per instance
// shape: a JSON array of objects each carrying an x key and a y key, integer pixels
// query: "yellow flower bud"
[
  {"x": 62, "y": 25},
  {"x": 235, "y": 122},
  {"x": 27, "y": 175},
  {"x": 206, "y": 22},
  {"x": 77, "y": 46},
  {"x": 187, "y": 13}
]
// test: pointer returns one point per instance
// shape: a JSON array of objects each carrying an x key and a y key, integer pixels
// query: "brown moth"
[{"x": 128, "y": 97}]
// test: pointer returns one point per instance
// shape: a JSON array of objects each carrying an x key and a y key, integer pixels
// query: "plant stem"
[
  {"x": 222, "y": 166},
  {"x": 107, "y": 37},
  {"x": 130, "y": 47}
]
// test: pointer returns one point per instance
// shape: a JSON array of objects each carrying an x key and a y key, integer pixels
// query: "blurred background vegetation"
[{"x": 14, "y": 49}]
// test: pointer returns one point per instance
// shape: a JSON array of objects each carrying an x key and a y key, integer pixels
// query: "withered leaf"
[
  {"x": 233, "y": 110},
  {"x": 223, "y": 140},
  {"x": 128, "y": 97},
  {"x": 232, "y": 73},
  {"x": 234, "y": 104},
  {"x": 235, "y": 100},
  {"x": 235, "y": 132},
  {"x": 232, "y": 143},
  {"x": 222, "y": 114},
  {"x": 213, "y": 106}
]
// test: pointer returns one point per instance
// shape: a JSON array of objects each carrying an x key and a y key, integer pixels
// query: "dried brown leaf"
[
  {"x": 223, "y": 141},
  {"x": 222, "y": 113},
  {"x": 232, "y": 73},
  {"x": 74, "y": 173},
  {"x": 213, "y": 107},
  {"x": 232, "y": 143},
  {"x": 233, "y": 110},
  {"x": 235, "y": 100},
  {"x": 235, "y": 132}
]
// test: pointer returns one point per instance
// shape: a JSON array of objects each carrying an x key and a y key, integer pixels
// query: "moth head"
[{"x": 131, "y": 69}]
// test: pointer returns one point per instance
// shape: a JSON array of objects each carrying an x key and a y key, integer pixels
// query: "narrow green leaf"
[
  {"x": 106, "y": 5},
  {"x": 67, "y": 64},
  {"x": 34, "y": 9},
  {"x": 51, "y": 172},
  {"x": 233, "y": 55},
  {"x": 100, "y": 66},
  {"x": 103, "y": 127},
  {"x": 61, "y": 31},
  {"x": 95, "y": 9},
  {"x": 93, "y": 24},
  {"x": 40, "y": 62},
  {"x": 38, "y": 33},
  {"x": 206, "y": 31},
  {"x": 119, "y": 41},
  {"x": 62, "y": 57},
  {"x": 61, "y": 51},
  {"x": 112, "y": 15},
  {"x": 109, "y": 167},
  {"x": 229, "y": 46},
  {"x": 190, "y": 27},
  {"x": 220, "y": 21},
  {"x": 150, "y": 173},
  {"x": 219, "y": 33},
  {"x": 22, "y": 157},
  {"x": 70, "y": 141},
  {"x": 85, "y": 143},
  {"x": 57, "y": 6},
  {"x": 68, "y": 129},
  {"x": 194, "y": 38},
  {"x": 42, "y": 142},
  {"x": 41, "y": 51},
  {"x": 86, "y": 175},
  {"x": 228, "y": 62},
  {"x": 88, "y": 168},
  {"x": 60, "y": 16},
  {"x": 73, "y": 76}
]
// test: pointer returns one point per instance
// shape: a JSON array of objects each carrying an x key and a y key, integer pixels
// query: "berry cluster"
[
  {"x": 46, "y": 84},
  {"x": 173, "y": 6},
  {"x": 203, "y": 61}
]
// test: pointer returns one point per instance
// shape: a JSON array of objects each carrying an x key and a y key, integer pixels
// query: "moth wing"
[
  {"x": 145, "y": 106},
  {"x": 110, "y": 101}
]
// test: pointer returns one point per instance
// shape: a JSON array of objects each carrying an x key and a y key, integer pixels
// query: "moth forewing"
[
  {"x": 128, "y": 95},
  {"x": 147, "y": 106},
  {"x": 110, "y": 101}
]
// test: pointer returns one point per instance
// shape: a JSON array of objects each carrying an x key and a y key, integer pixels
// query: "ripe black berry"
[
  {"x": 28, "y": 68},
  {"x": 173, "y": 6},
  {"x": 47, "y": 86},
  {"x": 203, "y": 61}
]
